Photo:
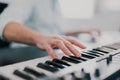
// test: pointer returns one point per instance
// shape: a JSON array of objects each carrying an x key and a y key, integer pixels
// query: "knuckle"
[
  {"x": 58, "y": 41},
  {"x": 64, "y": 48},
  {"x": 68, "y": 43},
  {"x": 72, "y": 40},
  {"x": 56, "y": 37},
  {"x": 66, "y": 51}
]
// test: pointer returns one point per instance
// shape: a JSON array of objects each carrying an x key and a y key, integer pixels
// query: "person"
[{"x": 36, "y": 22}]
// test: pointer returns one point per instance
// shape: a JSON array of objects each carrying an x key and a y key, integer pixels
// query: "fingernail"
[
  {"x": 78, "y": 55},
  {"x": 53, "y": 57},
  {"x": 70, "y": 54}
]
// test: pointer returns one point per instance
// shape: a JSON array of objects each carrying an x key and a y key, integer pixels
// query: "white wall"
[
  {"x": 76, "y": 9},
  {"x": 109, "y": 5},
  {"x": 6, "y": 1},
  {"x": 105, "y": 17}
]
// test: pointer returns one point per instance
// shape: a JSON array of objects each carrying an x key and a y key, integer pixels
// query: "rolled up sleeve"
[{"x": 17, "y": 11}]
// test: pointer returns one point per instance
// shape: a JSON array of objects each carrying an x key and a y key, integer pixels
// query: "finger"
[
  {"x": 72, "y": 49},
  {"x": 76, "y": 43},
  {"x": 96, "y": 31},
  {"x": 99, "y": 32},
  {"x": 62, "y": 46},
  {"x": 50, "y": 51}
]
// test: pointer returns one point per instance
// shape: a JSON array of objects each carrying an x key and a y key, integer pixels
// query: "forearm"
[{"x": 19, "y": 33}]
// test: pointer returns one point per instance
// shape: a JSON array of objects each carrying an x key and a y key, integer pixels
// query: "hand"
[
  {"x": 62, "y": 42},
  {"x": 80, "y": 31},
  {"x": 94, "y": 31}
]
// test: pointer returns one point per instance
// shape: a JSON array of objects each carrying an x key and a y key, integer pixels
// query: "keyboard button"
[
  {"x": 79, "y": 58},
  {"x": 33, "y": 72},
  {"x": 3, "y": 78},
  {"x": 22, "y": 75},
  {"x": 97, "y": 52},
  {"x": 115, "y": 46},
  {"x": 70, "y": 60},
  {"x": 93, "y": 54},
  {"x": 61, "y": 62},
  {"x": 54, "y": 64},
  {"x": 47, "y": 67},
  {"x": 61, "y": 78},
  {"x": 101, "y": 50},
  {"x": 88, "y": 56},
  {"x": 74, "y": 77},
  {"x": 111, "y": 47}
]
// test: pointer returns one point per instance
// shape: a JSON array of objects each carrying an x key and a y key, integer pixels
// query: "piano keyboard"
[{"x": 101, "y": 63}]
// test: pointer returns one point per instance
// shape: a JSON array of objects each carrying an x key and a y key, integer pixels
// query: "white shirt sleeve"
[{"x": 17, "y": 11}]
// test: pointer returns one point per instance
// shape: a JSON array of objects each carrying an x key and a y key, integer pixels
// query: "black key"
[
  {"x": 115, "y": 46},
  {"x": 54, "y": 64},
  {"x": 92, "y": 54},
  {"x": 87, "y": 56},
  {"x": 33, "y": 72},
  {"x": 98, "y": 49},
  {"x": 110, "y": 47},
  {"x": 22, "y": 75},
  {"x": 70, "y": 59},
  {"x": 3, "y": 78},
  {"x": 47, "y": 67},
  {"x": 97, "y": 52},
  {"x": 61, "y": 62},
  {"x": 79, "y": 58}
]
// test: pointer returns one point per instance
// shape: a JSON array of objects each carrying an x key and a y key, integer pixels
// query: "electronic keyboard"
[{"x": 102, "y": 63}]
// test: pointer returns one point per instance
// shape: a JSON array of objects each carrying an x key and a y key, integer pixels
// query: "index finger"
[{"x": 50, "y": 51}]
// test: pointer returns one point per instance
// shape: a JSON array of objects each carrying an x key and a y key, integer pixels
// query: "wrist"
[{"x": 36, "y": 38}]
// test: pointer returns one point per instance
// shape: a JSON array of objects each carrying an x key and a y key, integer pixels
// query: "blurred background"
[{"x": 104, "y": 14}]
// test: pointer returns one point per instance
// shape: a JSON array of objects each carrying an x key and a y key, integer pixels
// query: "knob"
[
  {"x": 109, "y": 59},
  {"x": 87, "y": 76},
  {"x": 61, "y": 78},
  {"x": 97, "y": 73},
  {"x": 82, "y": 70}
]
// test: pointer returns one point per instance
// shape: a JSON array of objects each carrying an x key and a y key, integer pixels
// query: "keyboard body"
[{"x": 95, "y": 64}]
